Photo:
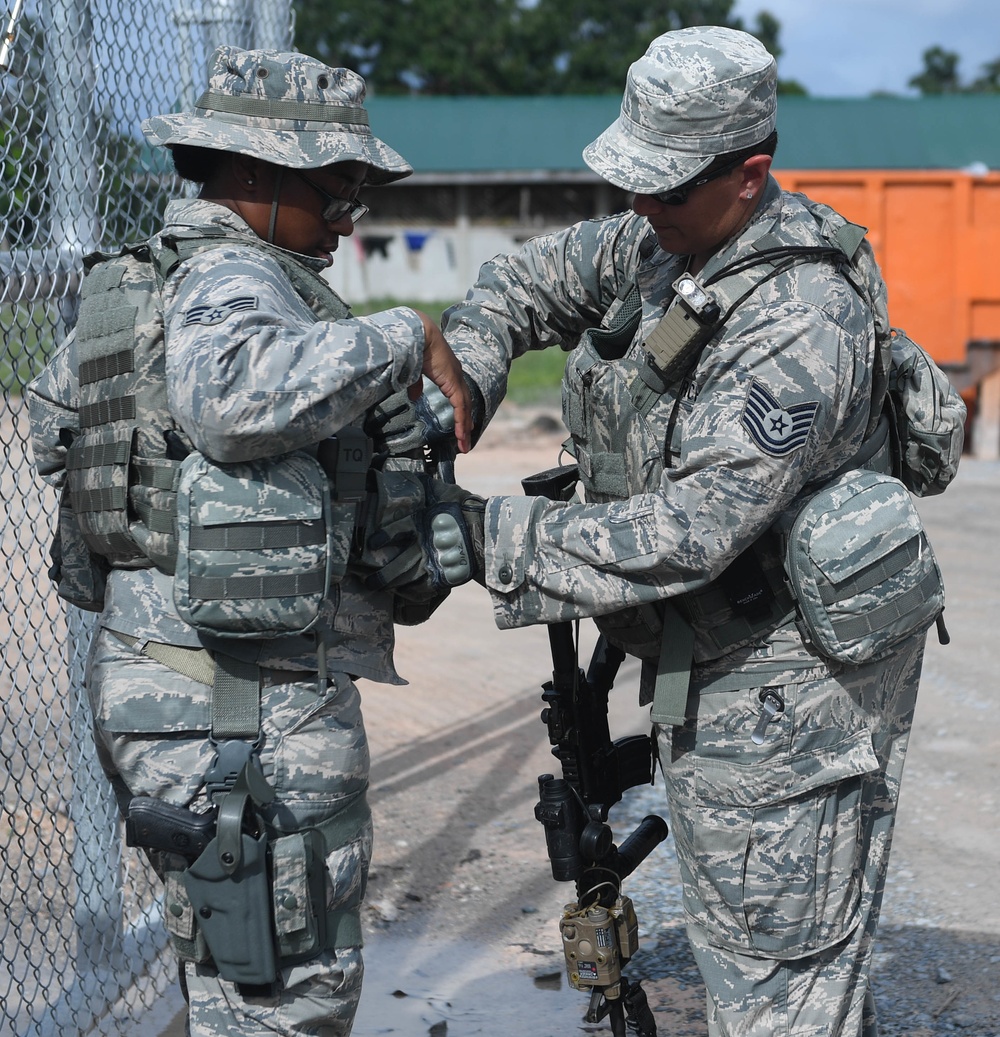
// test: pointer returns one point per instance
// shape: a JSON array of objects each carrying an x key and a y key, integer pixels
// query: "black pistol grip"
[{"x": 154, "y": 825}]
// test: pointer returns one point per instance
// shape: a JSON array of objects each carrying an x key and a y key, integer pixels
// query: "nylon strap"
[
  {"x": 259, "y": 108},
  {"x": 343, "y": 925},
  {"x": 235, "y": 698},
  {"x": 104, "y": 412},
  {"x": 879, "y": 618},
  {"x": 102, "y": 367},
  {"x": 257, "y": 536},
  {"x": 195, "y": 663},
  {"x": 279, "y": 585},
  {"x": 673, "y": 670}
]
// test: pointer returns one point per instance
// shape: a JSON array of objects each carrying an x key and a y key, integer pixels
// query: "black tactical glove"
[
  {"x": 401, "y": 427},
  {"x": 420, "y": 549}
]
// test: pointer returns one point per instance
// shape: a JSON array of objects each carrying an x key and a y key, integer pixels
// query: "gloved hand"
[
  {"x": 420, "y": 549},
  {"x": 400, "y": 427}
]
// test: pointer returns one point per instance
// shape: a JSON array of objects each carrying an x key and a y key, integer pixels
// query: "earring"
[
  {"x": 250, "y": 182},
  {"x": 749, "y": 195}
]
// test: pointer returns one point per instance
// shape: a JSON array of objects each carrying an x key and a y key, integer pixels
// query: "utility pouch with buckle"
[
  {"x": 861, "y": 568},
  {"x": 255, "y": 545}
]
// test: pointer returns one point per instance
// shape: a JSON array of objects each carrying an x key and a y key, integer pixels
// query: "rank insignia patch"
[
  {"x": 775, "y": 429},
  {"x": 216, "y": 314}
]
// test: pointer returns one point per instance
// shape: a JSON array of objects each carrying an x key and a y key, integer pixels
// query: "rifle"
[{"x": 599, "y": 930}]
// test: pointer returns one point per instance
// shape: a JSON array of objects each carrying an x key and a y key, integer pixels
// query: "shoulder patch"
[
  {"x": 775, "y": 429},
  {"x": 216, "y": 314}
]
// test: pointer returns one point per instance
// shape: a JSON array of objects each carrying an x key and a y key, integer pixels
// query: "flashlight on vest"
[{"x": 690, "y": 321}]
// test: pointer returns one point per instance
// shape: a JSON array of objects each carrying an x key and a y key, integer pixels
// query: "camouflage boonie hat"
[
  {"x": 284, "y": 108},
  {"x": 696, "y": 94}
]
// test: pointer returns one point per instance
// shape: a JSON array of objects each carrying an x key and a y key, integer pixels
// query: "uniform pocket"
[
  {"x": 133, "y": 693},
  {"x": 769, "y": 835},
  {"x": 780, "y": 880}
]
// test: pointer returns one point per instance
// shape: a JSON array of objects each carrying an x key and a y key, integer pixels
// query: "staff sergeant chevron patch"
[{"x": 775, "y": 429}]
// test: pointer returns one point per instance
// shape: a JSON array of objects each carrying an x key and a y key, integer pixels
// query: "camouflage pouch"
[
  {"x": 80, "y": 575},
  {"x": 861, "y": 568},
  {"x": 929, "y": 416},
  {"x": 256, "y": 545},
  {"x": 186, "y": 938},
  {"x": 298, "y": 886}
]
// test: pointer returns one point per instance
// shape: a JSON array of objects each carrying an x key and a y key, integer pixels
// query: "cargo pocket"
[{"x": 772, "y": 857}]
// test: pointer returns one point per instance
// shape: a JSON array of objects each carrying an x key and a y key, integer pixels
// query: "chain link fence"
[{"x": 82, "y": 945}]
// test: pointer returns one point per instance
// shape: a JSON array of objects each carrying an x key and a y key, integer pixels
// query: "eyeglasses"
[
  {"x": 334, "y": 208},
  {"x": 679, "y": 195}
]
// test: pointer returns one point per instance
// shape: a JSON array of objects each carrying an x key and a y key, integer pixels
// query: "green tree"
[
  {"x": 941, "y": 76},
  {"x": 989, "y": 80},
  {"x": 507, "y": 47},
  {"x": 940, "y": 73}
]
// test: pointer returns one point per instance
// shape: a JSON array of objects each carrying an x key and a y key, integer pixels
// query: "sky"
[{"x": 850, "y": 48}]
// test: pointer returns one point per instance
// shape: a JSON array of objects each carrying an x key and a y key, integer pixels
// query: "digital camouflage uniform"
[
  {"x": 262, "y": 358},
  {"x": 783, "y": 845}
]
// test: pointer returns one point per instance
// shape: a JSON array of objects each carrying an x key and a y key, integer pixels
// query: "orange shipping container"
[{"x": 936, "y": 235}]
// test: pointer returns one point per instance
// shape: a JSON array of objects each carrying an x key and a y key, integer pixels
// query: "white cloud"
[{"x": 842, "y": 48}]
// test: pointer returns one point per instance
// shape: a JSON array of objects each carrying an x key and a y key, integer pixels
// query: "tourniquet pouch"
[
  {"x": 861, "y": 568},
  {"x": 234, "y": 911},
  {"x": 255, "y": 545}
]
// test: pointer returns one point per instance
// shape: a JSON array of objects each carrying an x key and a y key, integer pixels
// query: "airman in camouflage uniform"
[
  {"x": 782, "y": 766},
  {"x": 261, "y": 358}
]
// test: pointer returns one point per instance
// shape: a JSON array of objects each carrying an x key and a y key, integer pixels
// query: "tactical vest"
[
  {"x": 621, "y": 411},
  {"x": 123, "y": 465}
]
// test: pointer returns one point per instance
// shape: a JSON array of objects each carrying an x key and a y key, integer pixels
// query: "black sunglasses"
[
  {"x": 679, "y": 195},
  {"x": 334, "y": 208}
]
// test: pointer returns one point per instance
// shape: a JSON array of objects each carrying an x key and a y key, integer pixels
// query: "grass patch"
[{"x": 535, "y": 377}]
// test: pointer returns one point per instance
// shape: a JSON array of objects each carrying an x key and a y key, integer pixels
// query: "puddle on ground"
[
  {"x": 458, "y": 989},
  {"x": 429, "y": 988}
]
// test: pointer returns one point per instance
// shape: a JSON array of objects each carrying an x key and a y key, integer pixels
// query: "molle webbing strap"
[
  {"x": 105, "y": 498},
  {"x": 96, "y": 454},
  {"x": 256, "y": 536},
  {"x": 120, "y": 408},
  {"x": 161, "y": 476},
  {"x": 301, "y": 111},
  {"x": 856, "y": 627},
  {"x": 210, "y": 588},
  {"x": 100, "y": 367}
]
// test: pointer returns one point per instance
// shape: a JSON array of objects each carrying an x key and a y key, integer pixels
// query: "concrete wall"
[{"x": 418, "y": 264}]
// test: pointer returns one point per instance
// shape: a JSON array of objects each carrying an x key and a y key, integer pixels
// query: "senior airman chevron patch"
[
  {"x": 216, "y": 314},
  {"x": 775, "y": 429}
]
